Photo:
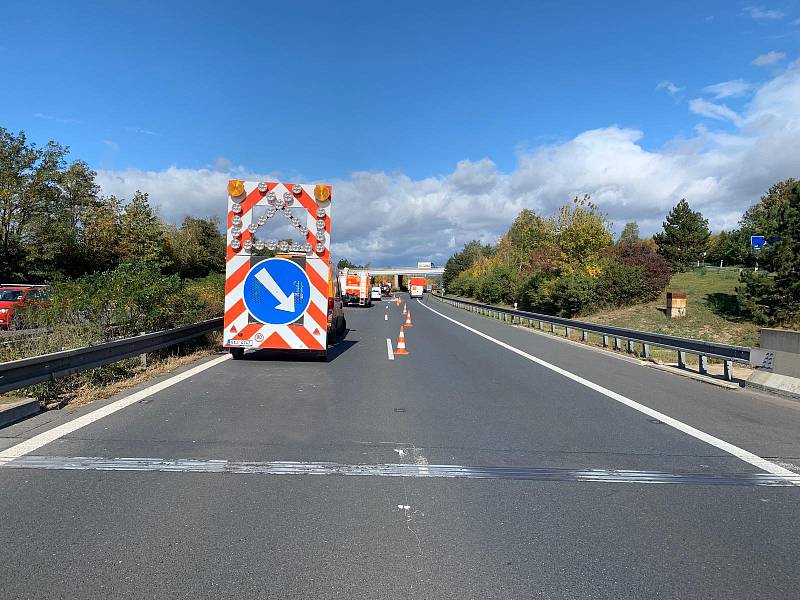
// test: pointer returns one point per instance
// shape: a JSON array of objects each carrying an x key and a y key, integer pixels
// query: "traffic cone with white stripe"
[
  {"x": 401, "y": 344},
  {"x": 408, "y": 319}
]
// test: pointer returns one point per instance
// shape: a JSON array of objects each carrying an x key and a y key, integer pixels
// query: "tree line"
[
  {"x": 569, "y": 263},
  {"x": 55, "y": 224},
  {"x": 113, "y": 265}
]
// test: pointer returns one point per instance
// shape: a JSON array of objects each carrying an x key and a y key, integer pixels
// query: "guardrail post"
[
  {"x": 702, "y": 366},
  {"x": 566, "y": 332},
  {"x": 143, "y": 355},
  {"x": 681, "y": 359},
  {"x": 552, "y": 327},
  {"x": 617, "y": 345},
  {"x": 541, "y": 325},
  {"x": 646, "y": 351},
  {"x": 585, "y": 335},
  {"x": 630, "y": 347},
  {"x": 605, "y": 341},
  {"x": 727, "y": 374}
]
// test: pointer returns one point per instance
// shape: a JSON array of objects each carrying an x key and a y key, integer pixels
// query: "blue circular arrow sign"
[{"x": 276, "y": 291}]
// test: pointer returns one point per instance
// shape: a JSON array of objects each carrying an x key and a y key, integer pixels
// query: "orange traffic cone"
[
  {"x": 401, "y": 344},
  {"x": 408, "y": 319}
]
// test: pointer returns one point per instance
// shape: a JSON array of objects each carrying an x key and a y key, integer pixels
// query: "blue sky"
[{"x": 394, "y": 95}]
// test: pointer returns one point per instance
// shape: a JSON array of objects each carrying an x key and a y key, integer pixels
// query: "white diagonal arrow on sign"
[{"x": 284, "y": 302}]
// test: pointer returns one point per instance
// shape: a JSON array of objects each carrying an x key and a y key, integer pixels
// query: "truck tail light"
[{"x": 330, "y": 311}]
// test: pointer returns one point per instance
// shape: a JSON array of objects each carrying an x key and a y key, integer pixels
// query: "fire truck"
[
  {"x": 280, "y": 294},
  {"x": 355, "y": 286}
]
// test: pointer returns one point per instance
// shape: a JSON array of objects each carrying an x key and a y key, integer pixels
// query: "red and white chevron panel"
[{"x": 242, "y": 329}]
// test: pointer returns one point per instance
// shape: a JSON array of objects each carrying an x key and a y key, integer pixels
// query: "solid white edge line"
[
  {"x": 739, "y": 453},
  {"x": 51, "y": 435},
  {"x": 389, "y": 350}
]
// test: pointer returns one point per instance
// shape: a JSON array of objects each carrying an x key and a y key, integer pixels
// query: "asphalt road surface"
[{"x": 465, "y": 469}]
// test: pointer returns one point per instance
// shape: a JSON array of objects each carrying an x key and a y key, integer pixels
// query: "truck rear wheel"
[{"x": 237, "y": 353}]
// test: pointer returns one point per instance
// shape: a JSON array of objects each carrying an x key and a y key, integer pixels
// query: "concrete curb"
[
  {"x": 729, "y": 385},
  {"x": 16, "y": 409},
  {"x": 774, "y": 383}
]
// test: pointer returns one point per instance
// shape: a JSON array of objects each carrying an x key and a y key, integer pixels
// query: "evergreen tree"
[
  {"x": 774, "y": 299},
  {"x": 684, "y": 238}
]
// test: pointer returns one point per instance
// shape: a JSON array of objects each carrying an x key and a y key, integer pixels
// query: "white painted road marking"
[
  {"x": 299, "y": 468},
  {"x": 51, "y": 435},
  {"x": 739, "y": 453},
  {"x": 389, "y": 349}
]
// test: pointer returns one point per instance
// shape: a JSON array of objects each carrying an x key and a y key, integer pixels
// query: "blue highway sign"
[{"x": 277, "y": 291}]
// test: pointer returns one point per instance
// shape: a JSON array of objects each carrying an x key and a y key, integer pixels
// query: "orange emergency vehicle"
[{"x": 356, "y": 287}]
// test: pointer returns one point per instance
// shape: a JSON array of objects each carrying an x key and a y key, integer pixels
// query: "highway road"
[{"x": 358, "y": 478}]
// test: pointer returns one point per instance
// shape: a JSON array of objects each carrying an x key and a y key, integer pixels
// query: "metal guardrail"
[
  {"x": 683, "y": 346},
  {"x": 29, "y": 371}
]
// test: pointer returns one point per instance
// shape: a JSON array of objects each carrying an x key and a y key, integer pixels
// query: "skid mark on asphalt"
[
  {"x": 418, "y": 469},
  {"x": 736, "y": 451}
]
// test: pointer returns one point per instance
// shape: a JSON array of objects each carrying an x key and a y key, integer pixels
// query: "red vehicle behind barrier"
[{"x": 14, "y": 296}]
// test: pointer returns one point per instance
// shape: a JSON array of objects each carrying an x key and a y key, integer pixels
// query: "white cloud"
[
  {"x": 57, "y": 119},
  {"x": 759, "y": 13},
  {"x": 713, "y": 111},
  {"x": 222, "y": 164},
  {"x": 112, "y": 145},
  {"x": 668, "y": 87},
  {"x": 770, "y": 58},
  {"x": 729, "y": 89},
  {"x": 142, "y": 131},
  {"x": 389, "y": 218}
]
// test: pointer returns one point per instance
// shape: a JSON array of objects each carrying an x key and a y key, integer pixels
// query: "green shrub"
[
  {"x": 210, "y": 292},
  {"x": 574, "y": 294},
  {"x": 620, "y": 285},
  {"x": 534, "y": 292},
  {"x": 130, "y": 299},
  {"x": 656, "y": 269},
  {"x": 499, "y": 285},
  {"x": 463, "y": 285}
]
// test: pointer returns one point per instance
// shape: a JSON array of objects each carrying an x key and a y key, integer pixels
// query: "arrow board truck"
[
  {"x": 279, "y": 294},
  {"x": 416, "y": 285},
  {"x": 355, "y": 288}
]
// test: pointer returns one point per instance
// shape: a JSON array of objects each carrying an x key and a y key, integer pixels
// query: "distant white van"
[{"x": 375, "y": 293}]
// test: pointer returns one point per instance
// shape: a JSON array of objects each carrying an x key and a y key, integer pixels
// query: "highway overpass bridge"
[{"x": 398, "y": 272}]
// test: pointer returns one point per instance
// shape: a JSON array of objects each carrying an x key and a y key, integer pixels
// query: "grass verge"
[{"x": 712, "y": 311}]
